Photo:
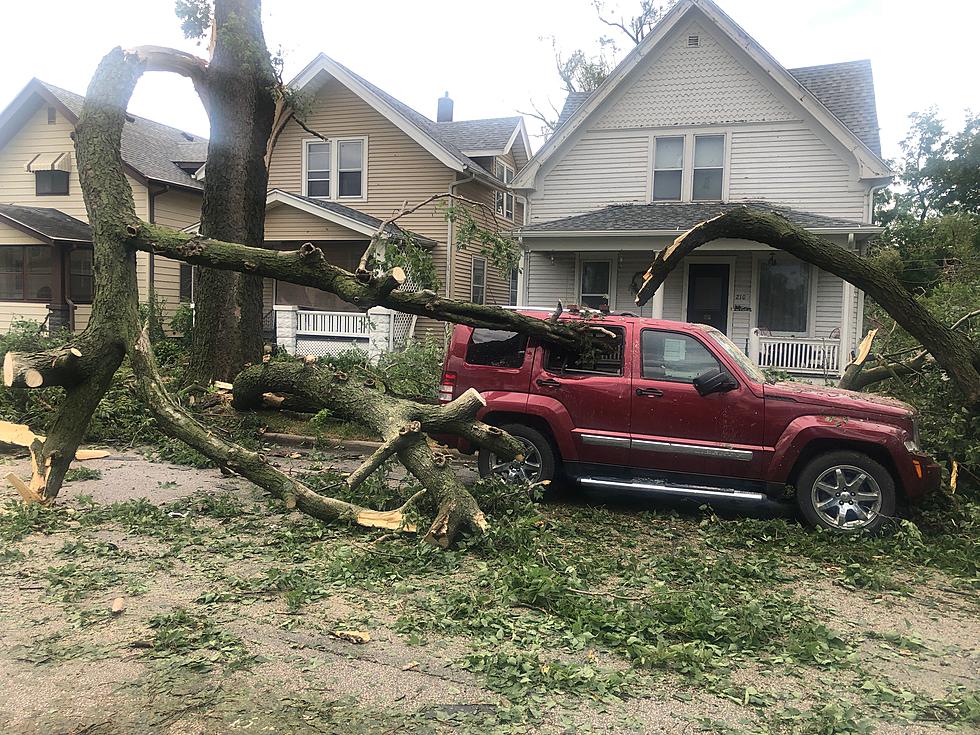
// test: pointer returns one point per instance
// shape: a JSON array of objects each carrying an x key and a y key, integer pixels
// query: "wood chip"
[
  {"x": 118, "y": 605},
  {"x": 410, "y": 666},
  {"x": 221, "y": 385},
  {"x": 352, "y": 636}
]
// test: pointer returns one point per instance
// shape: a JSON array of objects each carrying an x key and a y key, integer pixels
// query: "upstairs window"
[
  {"x": 668, "y": 168},
  {"x": 478, "y": 281},
  {"x": 709, "y": 167},
  {"x": 51, "y": 183},
  {"x": 351, "y": 168},
  {"x": 504, "y": 200},
  {"x": 318, "y": 170},
  {"x": 80, "y": 280},
  {"x": 335, "y": 168}
]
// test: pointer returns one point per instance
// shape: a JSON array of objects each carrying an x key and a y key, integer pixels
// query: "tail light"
[{"x": 448, "y": 386}]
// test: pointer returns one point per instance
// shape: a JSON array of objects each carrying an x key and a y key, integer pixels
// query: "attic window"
[
  {"x": 693, "y": 41},
  {"x": 52, "y": 116}
]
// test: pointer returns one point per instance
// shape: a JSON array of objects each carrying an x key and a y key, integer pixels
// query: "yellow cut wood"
[{"x": 21, "y": 487}]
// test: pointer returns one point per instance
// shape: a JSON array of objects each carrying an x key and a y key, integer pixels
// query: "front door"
[
  {"x": 707, "y": 294},
  {"x": 675, "y": 429}
]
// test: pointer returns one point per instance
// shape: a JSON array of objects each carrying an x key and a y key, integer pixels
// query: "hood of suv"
[{"x": 839, "y": 400}]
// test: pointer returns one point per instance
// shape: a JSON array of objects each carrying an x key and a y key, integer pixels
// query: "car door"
[
  {"x": 675, "y": 429},
  {"x": 593, "y": 391}
]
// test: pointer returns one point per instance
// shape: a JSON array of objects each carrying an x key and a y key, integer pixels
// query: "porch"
[{"x": 784, "y": 314}]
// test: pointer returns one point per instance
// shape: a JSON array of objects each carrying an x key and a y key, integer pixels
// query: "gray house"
[{"x": 697, "y": 119}]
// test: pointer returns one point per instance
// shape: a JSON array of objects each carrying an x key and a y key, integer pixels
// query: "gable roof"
[
  {"x": 573, "y": 101},
  {"x": 494, "y": 136},
  {"x": 150, "y": 149},
  {"x": 446, "y": 141},
  {"x": 847, "y": 89},
  {"x": 49, "y": 225},
  {"x": 870, "y": 164},
  {"x": 344, "y": 216},
  {"x": 672, "y": 219}
]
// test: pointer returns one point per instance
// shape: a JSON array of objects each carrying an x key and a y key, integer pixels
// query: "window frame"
[
  {"x": 59, "y": 193},
  {"x": 334, "y": 172},
  {"x": 687, "y": 163},
  {"x": 580, "y": 274},
  {"x": 723, "y": 168},
  {"x": 68, "y": 290},
  {"x": 664, "y": 379},
  {"x": 23, "y": 266},
  {"x": 653, "y": 174},
  {"x": 473, "y": 283},
  {"x": 514, "y": 286},
  {"x": 501, "y": 199},
  {"x": 813, "y": 287}
]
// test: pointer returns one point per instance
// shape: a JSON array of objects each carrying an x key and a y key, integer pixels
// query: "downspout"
[{"x": 449, "y": 236}]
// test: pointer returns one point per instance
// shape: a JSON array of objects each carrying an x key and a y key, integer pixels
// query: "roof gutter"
[
  {"x": 449, "y": 236},
  {"x": 871, "y": 230}
]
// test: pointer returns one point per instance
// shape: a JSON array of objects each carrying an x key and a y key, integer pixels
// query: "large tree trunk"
[
  {"x": 953, "y": 351},
  {"x": 241, "y": 107}
]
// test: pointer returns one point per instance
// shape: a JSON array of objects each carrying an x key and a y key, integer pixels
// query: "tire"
[
  {"x": 525, "y": 471},
  {"x": 846, "y": 492}
]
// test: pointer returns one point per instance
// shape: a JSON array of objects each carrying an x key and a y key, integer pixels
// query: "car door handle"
[
  {"x": 655, "y": 392},
  {"x": 548, "y": 383}
]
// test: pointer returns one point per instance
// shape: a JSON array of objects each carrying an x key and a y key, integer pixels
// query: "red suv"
[{"x": 677, "y": 409}]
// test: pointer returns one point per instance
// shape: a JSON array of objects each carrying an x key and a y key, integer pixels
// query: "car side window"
[
  {"x": 496, "y": 348},
  {"x": 602, "y": 361},
  {"x": 674, "y": 356}
]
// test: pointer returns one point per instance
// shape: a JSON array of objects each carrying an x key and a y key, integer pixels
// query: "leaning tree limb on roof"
[
  {"x": 86, "y": 368},
  {"x": 953, "y": 351}
]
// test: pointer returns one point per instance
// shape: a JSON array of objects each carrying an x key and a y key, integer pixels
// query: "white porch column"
[
  {"x": 847, "y": 336},
  {"x": 522, "y": 279},
  {"x": 379, "y": 329},
  {"x": 287, "y": 321},
  {"x": 657, "y": 302}
]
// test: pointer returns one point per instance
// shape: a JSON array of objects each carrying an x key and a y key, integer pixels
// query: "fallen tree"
[
  {"x": 952, "y": 350},
  {"x": 114, "y": 332}
]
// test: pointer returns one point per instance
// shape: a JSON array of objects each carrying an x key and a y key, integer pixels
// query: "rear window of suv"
[
  {"x": 496, "y": 348},
  {"x": 607, "y": 361}
]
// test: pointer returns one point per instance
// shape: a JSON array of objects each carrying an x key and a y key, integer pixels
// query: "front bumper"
[{"x": 920, "y": 476}]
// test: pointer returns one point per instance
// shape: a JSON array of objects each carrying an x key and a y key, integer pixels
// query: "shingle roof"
[
  {"x": 51, "y": 224},
  {"x": 847, "y": 90},
  {"x": 150, "y": 147},
  {"x": 478, "y": 135},
  {"x": 365, "y": 219},
  {"x": 674, "y": 217}
]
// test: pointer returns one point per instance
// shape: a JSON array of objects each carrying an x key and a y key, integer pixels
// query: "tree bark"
[
  {"x": 953, "y": 351},
  {"x": 240, "y": 83}
]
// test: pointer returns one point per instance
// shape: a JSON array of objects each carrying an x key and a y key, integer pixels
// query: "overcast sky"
[{"x": 490, "y": 55}]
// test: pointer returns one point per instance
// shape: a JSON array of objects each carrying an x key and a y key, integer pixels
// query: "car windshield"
[{"x": 731, "y": 349}]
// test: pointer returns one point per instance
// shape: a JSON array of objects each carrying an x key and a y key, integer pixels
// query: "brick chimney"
[{"x": 444, "y": 113}]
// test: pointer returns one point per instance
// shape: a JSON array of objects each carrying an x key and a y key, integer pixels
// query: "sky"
[{"x": 494, "y": 57}]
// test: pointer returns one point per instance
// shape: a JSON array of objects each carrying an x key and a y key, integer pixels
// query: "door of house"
[{"x": 707, "y": 294}]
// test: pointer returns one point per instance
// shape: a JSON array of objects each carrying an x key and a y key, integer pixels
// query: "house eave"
[{"x": 573, "y": 234}]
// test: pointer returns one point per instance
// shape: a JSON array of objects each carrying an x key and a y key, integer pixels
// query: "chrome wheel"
[
  {"x": 521, "y": 471},
  {"x": 846, "y": 497}
]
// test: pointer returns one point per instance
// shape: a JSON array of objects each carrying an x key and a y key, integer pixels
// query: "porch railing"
[
  {"x": 332, "y": 324},
  {"x": 820, "y": 356}
]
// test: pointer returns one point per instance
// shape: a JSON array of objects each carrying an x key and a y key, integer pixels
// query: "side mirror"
[{"x": 714, "y": 381}]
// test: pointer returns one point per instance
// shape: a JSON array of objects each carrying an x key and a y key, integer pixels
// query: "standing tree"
[{"x": 234, "y": 203}]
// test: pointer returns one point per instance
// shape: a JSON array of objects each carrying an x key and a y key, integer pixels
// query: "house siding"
[
  {"x": 175, "y": 209},
  {"x": 498, "y": 285},
  {"x": 286, "y": 223}
]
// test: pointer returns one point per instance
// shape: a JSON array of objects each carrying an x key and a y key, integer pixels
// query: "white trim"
[
  {"x": 532, "y": 234},
  {"x": 277, "y": 196},
  {"x": 334, "y": 172},
  {"x": 323, "y": 63},
  {"x": 870, "y": 165},
  {"x": 713, "y": 260}
]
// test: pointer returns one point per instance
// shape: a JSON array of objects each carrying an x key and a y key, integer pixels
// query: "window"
[
  {"x": 607, "y": 361},
  {"x": 709, "y": 167},
  {"x": 186, "y": 283},
  {"x": 496, "y": 348},
  {"x": 318, "y": 170},
  {"x": 80, "y": 280},
  {"x": 784, "y": 294},
  {"x": 351, "y": 168},
  {"x": 513, "y": 287},
  {"x": 25, "y": 273},
  {"x": 595, "y": 284},
  {"x": 674, "y": 357},
  {"x": 478, "y": 281},
  {"x": 51, "y": 183},
  {"x": 668, "y": 167},
  {"x": 504, "y": 200},
  {"x": 52, "y": 116}
]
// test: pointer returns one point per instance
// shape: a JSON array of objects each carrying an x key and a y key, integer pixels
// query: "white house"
[{"x": 700, "y": 118}]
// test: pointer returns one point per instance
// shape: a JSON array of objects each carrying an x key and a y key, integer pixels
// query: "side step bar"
[{"x": 690, "y": 491}]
